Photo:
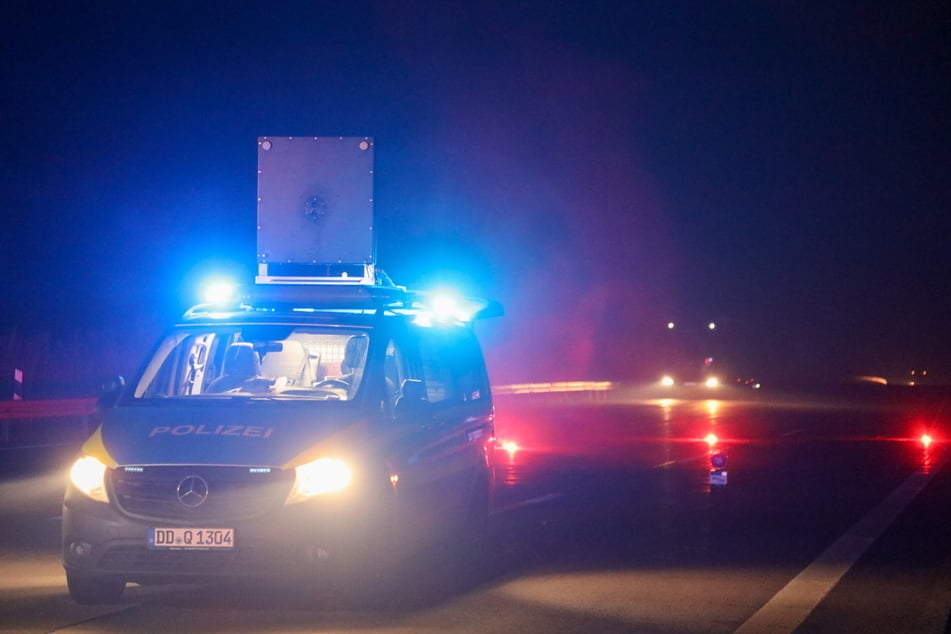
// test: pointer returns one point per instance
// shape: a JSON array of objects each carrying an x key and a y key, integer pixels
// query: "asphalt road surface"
[{"x": 831, "y": 516}]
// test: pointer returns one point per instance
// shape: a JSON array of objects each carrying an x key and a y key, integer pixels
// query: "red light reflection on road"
[
  {"x": 671, "y": 434},
  {"x": 927, "y": 442},
  {"x": 511, "y": 472},
  {"x": 510, "y": 447},
  {"x": 926, "y": 463}
]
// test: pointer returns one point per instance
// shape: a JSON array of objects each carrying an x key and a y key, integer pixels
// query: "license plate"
[{"x": 191, "y": 538}]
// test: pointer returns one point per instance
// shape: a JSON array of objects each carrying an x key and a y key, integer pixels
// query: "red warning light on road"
[
  {"x": 509, "y": 446},
  {"x": 926, "y": 440}
]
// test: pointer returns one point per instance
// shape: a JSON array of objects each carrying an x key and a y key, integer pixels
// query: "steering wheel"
[{"x": 332, "y": 384}]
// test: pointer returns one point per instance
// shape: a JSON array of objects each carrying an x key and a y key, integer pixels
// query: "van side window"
[
  {"x": 394, "y": 371},
  {"x": 452, "y": 366}
]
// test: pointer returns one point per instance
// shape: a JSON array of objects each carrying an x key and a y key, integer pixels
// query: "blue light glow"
[
  {"x": 445, "y": 307},
  {"x": 219, "y": 291}
]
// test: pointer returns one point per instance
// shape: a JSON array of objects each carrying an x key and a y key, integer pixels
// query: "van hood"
[{"x": 267, "y": 433}]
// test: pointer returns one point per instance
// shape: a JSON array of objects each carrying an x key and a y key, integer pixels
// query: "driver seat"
[{"x": 240, "y": 364}]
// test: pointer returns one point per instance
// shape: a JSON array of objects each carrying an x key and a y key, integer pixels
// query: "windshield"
[{"x": 257, "y": 360}]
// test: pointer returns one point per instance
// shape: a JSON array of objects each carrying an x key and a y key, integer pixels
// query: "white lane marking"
[
  {"x": 790, "y": 607},
  {"x": 541, "y": 499}
]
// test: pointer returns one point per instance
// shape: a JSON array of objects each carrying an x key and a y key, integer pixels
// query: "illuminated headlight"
[
  {"x": 712, "y": 382},
  {"x": 320, "y": 477},
  {"x": 667, "y": 381},
  {"x": 89, "y": 476}
]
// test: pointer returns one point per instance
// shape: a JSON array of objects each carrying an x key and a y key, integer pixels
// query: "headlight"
[
  {"x": 667, "y": 381},
  {"x": 89, "y": 476},
  {"x": 712, "y": 382},
  {"x": 320, "y": 477}
]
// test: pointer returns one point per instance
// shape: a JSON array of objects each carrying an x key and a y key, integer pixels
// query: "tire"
[{"x": 94, "y": 590}]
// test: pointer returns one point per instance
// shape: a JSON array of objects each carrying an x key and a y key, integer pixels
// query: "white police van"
[{"x": 318, "y": 425}]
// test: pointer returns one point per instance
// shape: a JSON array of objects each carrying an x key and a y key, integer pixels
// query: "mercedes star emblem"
[{"x": 192, "y": 491}]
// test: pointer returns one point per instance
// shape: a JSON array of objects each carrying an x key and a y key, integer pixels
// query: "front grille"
[
  {"x": 187, "y": 562},
  {"x": 233, "y": 493}
]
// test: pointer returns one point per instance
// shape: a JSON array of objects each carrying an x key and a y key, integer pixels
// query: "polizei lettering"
[{"x": 246, "y": 431}]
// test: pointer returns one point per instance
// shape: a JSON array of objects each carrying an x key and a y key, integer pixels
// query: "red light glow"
[
  {"x": 711, "y": 439},
  {"x": 509, "y": 446},
  {"x": 926, "y": 440}
]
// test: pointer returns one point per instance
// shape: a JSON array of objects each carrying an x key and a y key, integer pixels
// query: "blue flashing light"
[
  {"x": 445, "y": 308},
  {"x": 219, "y": 291},
  {"x": 222, "y": 297}
]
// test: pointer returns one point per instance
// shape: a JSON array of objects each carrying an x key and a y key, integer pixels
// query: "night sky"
[{"x": 781, "y": 168}]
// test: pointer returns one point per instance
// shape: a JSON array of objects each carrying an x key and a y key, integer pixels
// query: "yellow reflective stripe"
[{"x": 97, "y": 449}]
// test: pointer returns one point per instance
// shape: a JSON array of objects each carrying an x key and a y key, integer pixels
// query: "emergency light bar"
[
  {"x": 316, "y": 297},
  {"x": 327, "y": 296}
]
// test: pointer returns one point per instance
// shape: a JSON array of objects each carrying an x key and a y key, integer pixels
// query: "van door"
[{"x": 443, "y": 411}]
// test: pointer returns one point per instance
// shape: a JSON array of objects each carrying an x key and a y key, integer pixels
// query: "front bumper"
[{"x": 313, "y": 538}]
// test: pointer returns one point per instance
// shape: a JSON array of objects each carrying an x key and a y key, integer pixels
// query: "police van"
[{"x": 317, "y": 425}]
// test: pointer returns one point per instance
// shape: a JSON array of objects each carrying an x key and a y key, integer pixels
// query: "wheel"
[{"x": 93, "y": 590}]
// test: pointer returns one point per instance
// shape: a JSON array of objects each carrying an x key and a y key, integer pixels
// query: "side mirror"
[
  {"x": 412, "y": 406},
  {"x": 111, "y": 391}
]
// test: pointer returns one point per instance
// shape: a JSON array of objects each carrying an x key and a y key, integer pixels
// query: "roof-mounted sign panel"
[{"x": 315, "y": 206}]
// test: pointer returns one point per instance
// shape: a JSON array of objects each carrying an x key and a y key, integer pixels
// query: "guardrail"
[
  {"x": 46, "y": 409},
  {"x": 63, "y": 420},
  {"x": 554, "y": 393},
  {"x": 558, "y": 387}
]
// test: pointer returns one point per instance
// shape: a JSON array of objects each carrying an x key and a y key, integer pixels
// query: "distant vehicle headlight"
[
  {"x": 88, "y": 474},
  {"x": 667, "y": 381},
  {"x": 320, "y": 477},
  {"x": 712, "y": 381}
]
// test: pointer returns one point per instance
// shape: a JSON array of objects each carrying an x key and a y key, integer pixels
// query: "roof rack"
[{"x": 324, "y": 274}]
